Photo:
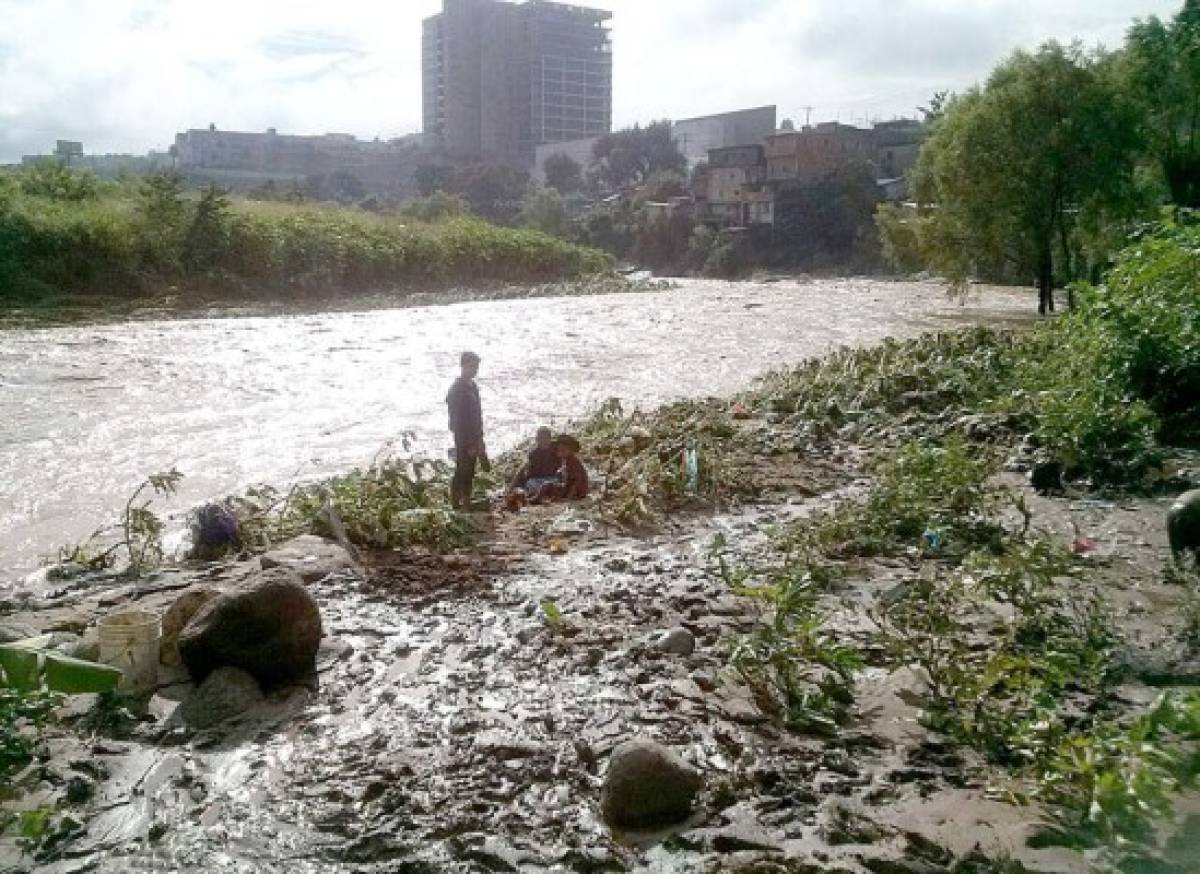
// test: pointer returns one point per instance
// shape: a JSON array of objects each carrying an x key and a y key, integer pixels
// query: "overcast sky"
[{"x": 125, "y": 75}]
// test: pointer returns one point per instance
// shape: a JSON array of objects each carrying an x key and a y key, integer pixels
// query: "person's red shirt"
[{"x": 575, "y": 479}]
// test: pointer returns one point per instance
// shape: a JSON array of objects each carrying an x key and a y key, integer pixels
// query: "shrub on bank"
[
  {"x": 1100, "y": 388},
  {"x": 1146, "y": 318},
  {"x": 81, "y": 239}
]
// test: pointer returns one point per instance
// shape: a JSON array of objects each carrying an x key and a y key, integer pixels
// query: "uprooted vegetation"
[
  {"x": 1101, "y": 389},
  {"x": 1100, "y": 392},
  {"x": 1011, "y": 632},
  {"x": 682, "y": 456},
  {"x": 1016, "y": 647},
  {"x": 391, "y": 504}
]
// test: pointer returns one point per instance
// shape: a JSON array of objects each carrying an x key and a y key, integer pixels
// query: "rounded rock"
[
  {"x": 224, "y": 694},
  {"x": 1183, "y": 524},
  {"x": 1047, "y": 476},
  {"x": 270, "y": 628},
  {"x": 647, "y": 786},
  {"x": 676, "y": 641}
]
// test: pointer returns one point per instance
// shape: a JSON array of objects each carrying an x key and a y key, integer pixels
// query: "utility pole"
[{"x": 808, "y": 111}]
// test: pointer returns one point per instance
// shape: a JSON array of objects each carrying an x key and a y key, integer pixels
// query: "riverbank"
[
  {"x": 465, "y": 703},
  {"x": 65, "y": 236},
  {"x": 176, "y": 305}
]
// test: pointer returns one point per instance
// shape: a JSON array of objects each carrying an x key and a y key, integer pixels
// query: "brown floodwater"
[{"x": 89, "y": 410}]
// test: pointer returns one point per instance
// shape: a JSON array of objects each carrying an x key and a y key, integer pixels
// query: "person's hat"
[
  {"x": 468, "y": 357},
  {"x": 568, "y": 441}
]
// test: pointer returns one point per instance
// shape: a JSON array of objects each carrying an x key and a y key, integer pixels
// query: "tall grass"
[{"x": 58, "y": 237}]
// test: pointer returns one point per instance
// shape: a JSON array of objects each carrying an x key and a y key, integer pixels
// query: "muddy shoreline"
[
  {"x": 452, "y": 726},
  {"x": 196, "y": 303}
]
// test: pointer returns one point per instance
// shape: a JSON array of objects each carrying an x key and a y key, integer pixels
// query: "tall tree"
[
  {"x": 628, "y": 157},
  {"x": 207, "y": 236},
  {"x": 563, "y": 173},
  {"x": 543, "y": 210},
  {"x": 494, "y": 191},
  {"x": 1162, "y": 66},
  {"x": 1013, "y": 169}
]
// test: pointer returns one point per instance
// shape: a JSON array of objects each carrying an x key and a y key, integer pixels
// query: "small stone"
[
  {"x": 587, "y": 756},
  {"x": 676, "y": 641},
  {"x": 1047, "y": 476},
  {"x": 87, "y": 647},
  {"x": 224, "y": 694},
  {"x": 647, "y": 785}
]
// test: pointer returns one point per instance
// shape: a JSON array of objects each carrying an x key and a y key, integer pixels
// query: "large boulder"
[
  {"x": 1183, "y": 524},
  {"x": 270, "y": 628},
  {"x": 224, "y": 694},
  {"x": 177, "y": 617},
  {"x": 647, "y": 786}
]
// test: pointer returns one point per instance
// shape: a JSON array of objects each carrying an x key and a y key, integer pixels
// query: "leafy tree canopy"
[
  {"x": 563, "y": 173},
  {"x": 1161, "y": 67},
  {"x": 1012, "y": 171},
  {"x": 629, "y": 156}
]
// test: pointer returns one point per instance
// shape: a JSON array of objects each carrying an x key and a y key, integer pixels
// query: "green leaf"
[
  {"x": 20, "y": 666},
  {"x": 75, "y": 676}
]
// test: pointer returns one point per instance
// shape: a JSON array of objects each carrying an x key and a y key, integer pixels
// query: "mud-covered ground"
[{"x": 452, "y": 726}]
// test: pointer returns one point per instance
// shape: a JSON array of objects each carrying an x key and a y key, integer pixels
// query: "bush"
[
  {"x": 662, "y": 240},
  {"x": 542, "y": 210},
  {"x": 22, "y": 717},
  {"x": 899, "y": 239},
  {"x": 1147, "y": 318},
  {"x": 1085, "y": 413},
  {"x": 129, "y": 239},
  {"x": 724, "y": 260},
  {"x": 437, "y": 207},
  {"x": 54, "y": 181}
]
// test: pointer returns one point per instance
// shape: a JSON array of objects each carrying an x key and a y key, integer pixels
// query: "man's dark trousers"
[{"x": 462, "y": 485}]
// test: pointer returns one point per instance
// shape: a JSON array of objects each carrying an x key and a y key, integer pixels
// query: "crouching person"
[
  {"x": 541, "y": 466},
  {"x": 573, "y": 476}
]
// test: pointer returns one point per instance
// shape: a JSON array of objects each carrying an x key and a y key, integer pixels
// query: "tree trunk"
[
  {"x": 1183, "y": 179},
  {"x": 1045, "y": 282}
]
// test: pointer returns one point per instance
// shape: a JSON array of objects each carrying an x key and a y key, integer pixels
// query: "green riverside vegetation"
[{"x": 67, "y": 233}]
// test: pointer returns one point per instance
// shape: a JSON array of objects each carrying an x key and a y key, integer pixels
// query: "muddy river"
[{"x": 87, "y": 411}]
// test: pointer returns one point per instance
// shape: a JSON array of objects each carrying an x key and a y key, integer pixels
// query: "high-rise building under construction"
[{"x": 501, "y": 78}]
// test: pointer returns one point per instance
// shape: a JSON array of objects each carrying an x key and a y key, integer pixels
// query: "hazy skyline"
[{"x": 126, "y": 75}]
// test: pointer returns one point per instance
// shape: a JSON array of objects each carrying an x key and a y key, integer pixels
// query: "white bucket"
[{"x": 129, "y": 641}]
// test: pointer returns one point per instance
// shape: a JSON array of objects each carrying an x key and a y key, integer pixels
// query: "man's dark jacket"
[{"x": 466, "y": 413}]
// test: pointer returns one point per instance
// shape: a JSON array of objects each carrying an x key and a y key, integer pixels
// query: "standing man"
[{"x": 466, "y": 423}]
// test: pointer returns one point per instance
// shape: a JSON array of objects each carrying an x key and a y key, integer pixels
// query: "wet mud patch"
[{"x": 419, "y": 575}]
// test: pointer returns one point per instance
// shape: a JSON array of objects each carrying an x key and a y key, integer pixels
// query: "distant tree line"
[{"x": 1039, "y": 174}]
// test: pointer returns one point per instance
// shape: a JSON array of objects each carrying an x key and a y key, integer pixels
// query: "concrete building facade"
[
  {"x": 810, "y": 154},
  {"x": 697, "y": 136},
  {"x": 579, "y": 151},
  {"x": 897, "y": 144},
  {"x": 245, "y": 159},
  {"x": 736, "y": 194},
  {"x": 500, "y": 79}
]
